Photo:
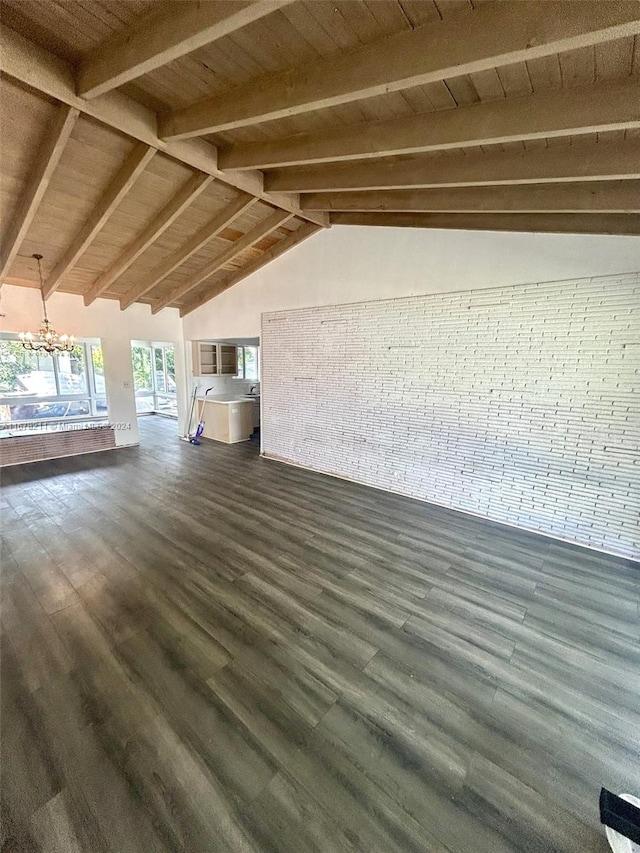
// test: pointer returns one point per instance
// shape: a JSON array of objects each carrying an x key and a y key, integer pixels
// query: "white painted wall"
[
  {"x": 518, "y": 404},
  {"x": 116, "y": 329},
  {"x": 351, "y": 264}
]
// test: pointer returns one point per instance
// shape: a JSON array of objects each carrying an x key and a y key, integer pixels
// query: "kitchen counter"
[
  {"x": 225, "y": 419},
  {"x": 227, "y": 398}
]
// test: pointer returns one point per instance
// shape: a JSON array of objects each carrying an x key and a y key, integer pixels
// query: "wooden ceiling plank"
[
  {"x": 593, "y": 197},
  {"x": 561, "y": 223},
  {"x": 610, "y": 105},
  {"x": 601, "y": 161},
  {"x": 308, "y": 229},
  {"x": 495, "y": 34},
  {"x": 42, "y": 170},
  {"x": 212, "y": 229},
  {"x": 28, "y": 63},
  {"x": 159, "y": 38},
  {"x": 270, "y": 224},
  {"x": 196, "y": 185},
  {"x": 126, "y": 177}
]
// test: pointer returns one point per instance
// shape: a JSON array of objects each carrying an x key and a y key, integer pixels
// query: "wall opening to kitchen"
[{"x": 226, "y": 372}]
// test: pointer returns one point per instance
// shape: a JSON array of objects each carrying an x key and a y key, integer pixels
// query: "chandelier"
[{"x": 46, "y": 338}]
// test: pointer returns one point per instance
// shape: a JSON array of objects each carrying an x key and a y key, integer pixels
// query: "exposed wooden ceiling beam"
[
  {"x": 494, "y": 34},
  {"x": 593, "y": 161},
  {"x": 159, "y": 38},
  {"x": 610, "y": 105},
  {"x": 590, "y": 197},
  {"x": 219, "y": 222},
  {"x": 308, "y": 229},
  {"x": 28, "y": 63},
  {"x": 196, "y": 185},
  {"x": 270, "y": 224},
  {"x": 560, "y": 223},
  {"x": 126, "y": 177},
  {"x": 47, "y": 159}
]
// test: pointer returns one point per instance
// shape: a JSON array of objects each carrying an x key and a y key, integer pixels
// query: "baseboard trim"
[{"x": 556, "y": 537}]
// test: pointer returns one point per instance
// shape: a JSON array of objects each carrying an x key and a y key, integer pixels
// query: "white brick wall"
[{"x": 515, "y": 403}]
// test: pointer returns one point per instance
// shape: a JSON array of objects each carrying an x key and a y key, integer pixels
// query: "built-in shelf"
[
  {"x": 214, "y": 359},
  {"x": 228, "y": 360}
]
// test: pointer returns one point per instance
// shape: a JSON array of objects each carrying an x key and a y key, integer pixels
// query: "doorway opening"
[{"x": 154, "y": 378}]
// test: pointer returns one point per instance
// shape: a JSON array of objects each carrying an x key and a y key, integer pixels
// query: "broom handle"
[{"x": 192, "y": 407}]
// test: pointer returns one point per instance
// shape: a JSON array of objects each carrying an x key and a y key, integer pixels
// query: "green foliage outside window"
[{"x": 15, "y": 361}]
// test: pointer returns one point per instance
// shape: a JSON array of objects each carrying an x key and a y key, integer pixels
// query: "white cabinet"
[
  {"x": 205, "y": 358},
  {"x": 211, "y": 359},
  {"x": 228, "y": 359}
]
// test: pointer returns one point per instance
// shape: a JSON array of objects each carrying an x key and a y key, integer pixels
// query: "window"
[
  {"x": 154, "y": 378},
  {"x": 36, "y": 387},
  {"x": 97, "y": 374},
  {"x": 248, "y": 363}
]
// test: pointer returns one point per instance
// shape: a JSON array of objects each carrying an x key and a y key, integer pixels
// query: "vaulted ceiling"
[{"x": 160, "y": 152}]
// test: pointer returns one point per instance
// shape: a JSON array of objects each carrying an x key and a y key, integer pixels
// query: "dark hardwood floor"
[{"x": 207, "y": 651}]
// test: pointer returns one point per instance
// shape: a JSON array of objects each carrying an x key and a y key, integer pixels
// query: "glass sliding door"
[
  {"x": 164, "y": 357},
  {"x": 143, "y": 378},
  {"x": 154, "y": 378}
]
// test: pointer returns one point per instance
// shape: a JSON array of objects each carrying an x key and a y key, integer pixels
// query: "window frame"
[{"x": 90, "y": 395}]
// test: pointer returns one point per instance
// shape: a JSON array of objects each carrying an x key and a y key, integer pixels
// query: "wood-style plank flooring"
[{"x": 207, "y": 651}]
